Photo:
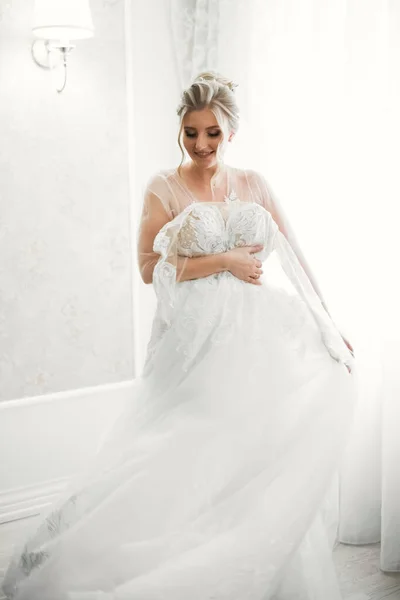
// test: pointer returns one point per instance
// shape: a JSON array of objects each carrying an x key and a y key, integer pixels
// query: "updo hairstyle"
[{"x": 217, "y": 93}]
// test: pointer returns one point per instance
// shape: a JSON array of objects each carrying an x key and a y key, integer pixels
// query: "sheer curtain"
[{"x": 319, "y": 91}]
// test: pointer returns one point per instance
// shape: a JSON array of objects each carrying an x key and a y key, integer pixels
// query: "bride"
[{"x": 219, "y": 478}]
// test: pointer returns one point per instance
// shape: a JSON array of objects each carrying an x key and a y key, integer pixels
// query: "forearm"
[
  {"x": 188, "y": 268},
  {"x": 310, "y": 275},
  {"x": 294, "y": 273},
  {"x": 313, "y": 281},
  {"x": 200, "y": 266}
]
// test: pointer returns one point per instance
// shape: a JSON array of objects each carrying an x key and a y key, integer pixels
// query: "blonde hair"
[{"x": 215, "y": 92}]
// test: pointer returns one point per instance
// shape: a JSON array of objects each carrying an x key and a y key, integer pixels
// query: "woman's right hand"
[{"x": 242, "y": 263}]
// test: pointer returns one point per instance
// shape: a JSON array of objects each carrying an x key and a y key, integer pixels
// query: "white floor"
[
  {"x": 360, "y": 575},
  {"x": 357, "y": 566}
]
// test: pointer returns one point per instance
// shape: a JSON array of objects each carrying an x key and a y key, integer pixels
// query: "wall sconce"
[{"x": 56, "y": 23}]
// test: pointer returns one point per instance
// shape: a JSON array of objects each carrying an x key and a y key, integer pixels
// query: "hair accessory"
[{"x": 231, "y": 85}]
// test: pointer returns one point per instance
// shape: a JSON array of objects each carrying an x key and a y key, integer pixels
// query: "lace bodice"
[
  {"x": 215, "y": 227},
  {"x": 246, "y": 217}
]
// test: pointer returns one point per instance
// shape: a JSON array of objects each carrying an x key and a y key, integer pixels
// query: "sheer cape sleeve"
[
  {"x": 330, "y": 334},
  {"x": 296, "y": 268},
  {"x": 163, "y": 217},
  {"x": 263, "y": 194},
  {"x": 165, "y": 271},
  {"x": 161, "y": 220}
]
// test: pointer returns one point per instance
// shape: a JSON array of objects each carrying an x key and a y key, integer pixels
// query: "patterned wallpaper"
[{"x": 65, "y": 259}]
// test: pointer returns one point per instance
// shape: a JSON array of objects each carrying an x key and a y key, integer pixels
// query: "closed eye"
[{"x": 211, "y": 134}]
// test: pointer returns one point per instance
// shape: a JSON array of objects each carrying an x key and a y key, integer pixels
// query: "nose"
[{"x": 201, "y": 143}]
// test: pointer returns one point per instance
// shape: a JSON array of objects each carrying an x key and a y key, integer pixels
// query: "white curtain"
[{"x": 319, "y": 92}]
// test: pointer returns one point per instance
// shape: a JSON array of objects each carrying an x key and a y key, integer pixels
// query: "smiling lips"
[{"x": 203, "y": 154}]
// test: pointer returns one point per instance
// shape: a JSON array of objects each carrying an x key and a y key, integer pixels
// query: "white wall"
[
  {"x": 66, "y": 302},
  {"x": 66, "y": 306},
  {"x": 46, "y": 440},
  {"x": 153, "y": 95},
  {"x": 72, "y": 174}
]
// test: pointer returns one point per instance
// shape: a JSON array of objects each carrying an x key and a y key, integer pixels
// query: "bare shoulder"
[
  {"x": 159, "y": 183},
  {"x": 160, "y": 176},
  {"x": 254, "y": 179},
  {"x": 244, "y": 176},
  {"x": 254, "y": 183},
  {"x": 254, "y": 175}
]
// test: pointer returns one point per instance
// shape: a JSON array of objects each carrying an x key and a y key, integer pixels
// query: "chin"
[{"x": 202, "y": 162}]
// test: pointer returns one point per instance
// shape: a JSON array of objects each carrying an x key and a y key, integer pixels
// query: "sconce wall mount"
[{"x": 56, "y": 23}]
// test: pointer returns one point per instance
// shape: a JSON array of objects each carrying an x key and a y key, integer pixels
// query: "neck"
[{"x": 204, "y": 174}]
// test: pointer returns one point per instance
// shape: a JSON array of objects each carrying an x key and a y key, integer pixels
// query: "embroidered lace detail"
[
  {"x": 206, "y": 228},
  {"x": 232, "y": 197}
]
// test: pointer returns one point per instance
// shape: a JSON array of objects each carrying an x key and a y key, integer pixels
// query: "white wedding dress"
[{"x": 217, "y": 480}]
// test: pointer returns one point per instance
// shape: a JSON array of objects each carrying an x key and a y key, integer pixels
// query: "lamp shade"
[{"x": 62, "y": 20}]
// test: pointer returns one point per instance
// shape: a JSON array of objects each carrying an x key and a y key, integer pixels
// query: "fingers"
[
  {"x": 254, "y": 281},
  {"x": 256, "y": 277},
  {"x": 256, "y": 273},
  {"x": 257, "y": 262}
]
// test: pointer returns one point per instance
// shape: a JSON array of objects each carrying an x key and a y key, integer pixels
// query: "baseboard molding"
[
  {"x": 21, "y": 503},
  {"x": 45, "y": 441},
  {"x": 69, "y": 395}
]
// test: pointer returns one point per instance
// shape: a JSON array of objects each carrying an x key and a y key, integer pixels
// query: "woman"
[{"x": 213, "y": 482}]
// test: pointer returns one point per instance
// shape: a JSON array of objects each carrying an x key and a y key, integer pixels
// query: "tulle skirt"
[{"x": 219, "y": 478}]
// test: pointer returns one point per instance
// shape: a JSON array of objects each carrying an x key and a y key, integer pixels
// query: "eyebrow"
[{"x": 212, "y": 127}]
